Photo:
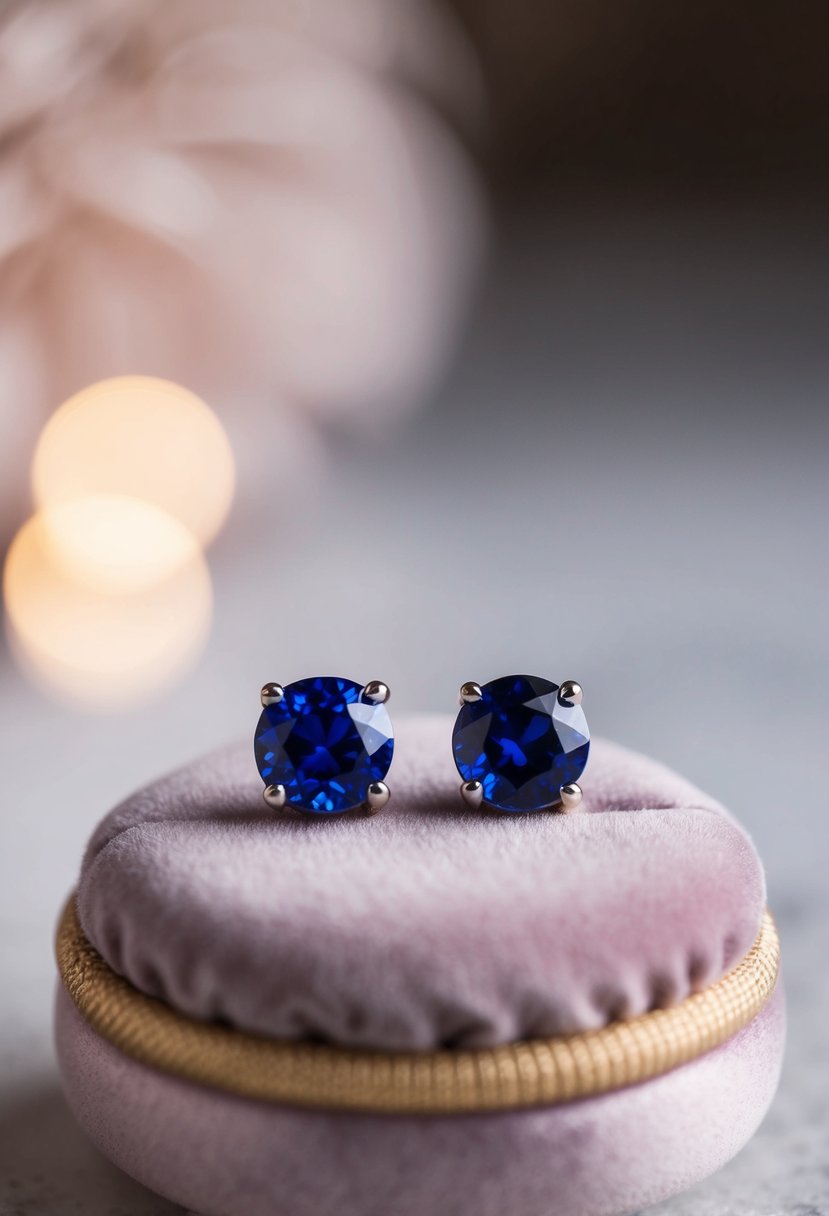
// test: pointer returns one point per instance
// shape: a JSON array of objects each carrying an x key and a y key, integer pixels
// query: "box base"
[{"x": 219, "y": 1155}]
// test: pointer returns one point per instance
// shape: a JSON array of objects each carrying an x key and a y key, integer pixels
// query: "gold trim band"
[{"x": 532, "y": 1073}]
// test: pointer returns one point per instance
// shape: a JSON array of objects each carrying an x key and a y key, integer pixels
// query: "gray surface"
[{"x": 625, "y": 482}]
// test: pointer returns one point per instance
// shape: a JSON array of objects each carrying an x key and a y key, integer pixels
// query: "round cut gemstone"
[
  {"x": 521, "y": 742},
  {"x": 324, "y": 744}
]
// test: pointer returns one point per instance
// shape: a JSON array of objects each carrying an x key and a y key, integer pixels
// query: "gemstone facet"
[
  {"x": 325, "y": 743},
  {"x": 522, "y": 742}
]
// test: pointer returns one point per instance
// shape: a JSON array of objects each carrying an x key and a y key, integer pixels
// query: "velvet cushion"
[{"x": 429, "y": 925}]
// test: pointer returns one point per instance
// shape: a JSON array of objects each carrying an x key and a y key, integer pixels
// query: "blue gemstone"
[
  {"x": 521, "y": 743},
  {"x": 324, "y": 744}
]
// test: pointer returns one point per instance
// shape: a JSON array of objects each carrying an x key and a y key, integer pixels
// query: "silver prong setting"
[
  {"x": 377, "y": 796},
  {"x": 271, "y": 694},
  {"x": 570, "y": 693},
  {"x": 274, "y": 796},
  {"x": 376, "y": 693},
  {"x": 470, "y": 692},
  {"x": 570, "y": 796},
  {"x": 472, "y": 793}
]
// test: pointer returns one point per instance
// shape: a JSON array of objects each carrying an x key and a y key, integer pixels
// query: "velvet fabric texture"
[
  {"x": 221, "y": 1156},
  {"x": 428, "y": 925}
]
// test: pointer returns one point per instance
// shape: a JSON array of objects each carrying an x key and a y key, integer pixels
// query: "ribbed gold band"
[{"x": 532, "y": 1073}]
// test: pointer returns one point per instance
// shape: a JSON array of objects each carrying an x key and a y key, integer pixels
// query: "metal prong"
[
  {"x": 472, "y": 793},
  {"x": 376, "y": 692},
  {"x": 377, "y": 796},
  {"x": 570, "y": 796},
  {"x": 274, "y": 796},
  {"x": 570, "y": 693},
  {"x": 470, "y": 693},
  {"x": 271, "y": 694}
]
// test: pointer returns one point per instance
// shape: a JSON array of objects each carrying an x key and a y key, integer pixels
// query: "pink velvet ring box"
[{"x": 429, "y": 1011}]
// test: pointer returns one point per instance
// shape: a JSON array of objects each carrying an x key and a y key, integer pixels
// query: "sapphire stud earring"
[
  {"x": 324, "y": 745},
  {"x": 521, "y": 743}
]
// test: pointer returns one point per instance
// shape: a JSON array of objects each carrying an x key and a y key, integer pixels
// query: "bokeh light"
[
  {"x": 142, "y": 438},
  {"x": 104, "y": 648},
  {"x": 114, "y": 544}
]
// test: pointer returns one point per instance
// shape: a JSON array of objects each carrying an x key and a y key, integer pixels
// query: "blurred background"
[{"x": 421, "y": 342}]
